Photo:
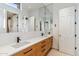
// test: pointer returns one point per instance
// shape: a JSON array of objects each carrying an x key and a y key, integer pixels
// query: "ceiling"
[{"x": 33, "y": 6}]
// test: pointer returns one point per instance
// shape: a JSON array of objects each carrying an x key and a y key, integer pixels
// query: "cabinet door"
[
  {"x": 50, "y": 42},
  {"x": 36, "y": 49}
]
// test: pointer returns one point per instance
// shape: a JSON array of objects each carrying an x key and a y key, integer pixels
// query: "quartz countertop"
[{"x": 8, "y": 50}]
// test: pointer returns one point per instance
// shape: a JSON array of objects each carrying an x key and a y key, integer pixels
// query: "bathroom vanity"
[
  {"x": 37, "y": 46},
  {"x": 39, "y": 49}
]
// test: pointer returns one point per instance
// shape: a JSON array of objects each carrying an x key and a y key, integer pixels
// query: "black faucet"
[
  {"x": 18, "y": 39},
  {"x": 48, "y": 32},
  {"x": 42, "y": 34}
]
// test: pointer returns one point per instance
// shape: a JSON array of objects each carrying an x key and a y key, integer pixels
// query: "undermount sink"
[{"x": 17, "y": 45}]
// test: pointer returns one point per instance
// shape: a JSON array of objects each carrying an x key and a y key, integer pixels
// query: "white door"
[
  {"x": 77, "y": 31},
  {"x": 67, "y": 30}
]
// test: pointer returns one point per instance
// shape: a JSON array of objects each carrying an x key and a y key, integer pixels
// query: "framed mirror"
[
  {"x": 12, "y": 22},
  {"x": 46, "y": 20}
]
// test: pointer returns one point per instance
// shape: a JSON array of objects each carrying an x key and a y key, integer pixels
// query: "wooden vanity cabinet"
[
  {"x": 39, "y": 49},
  {"x": 44, "y": 46}
]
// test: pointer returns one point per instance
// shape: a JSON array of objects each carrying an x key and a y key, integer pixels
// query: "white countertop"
[{"x": 9, "y": 50}]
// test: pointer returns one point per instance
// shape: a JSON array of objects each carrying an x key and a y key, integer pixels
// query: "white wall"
[{"x": 2, "y": 29}]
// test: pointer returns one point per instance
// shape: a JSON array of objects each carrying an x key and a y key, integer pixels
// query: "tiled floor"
[{"x": 55, "y": 52}]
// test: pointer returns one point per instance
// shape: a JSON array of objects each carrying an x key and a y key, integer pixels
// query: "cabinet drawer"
[
  {"x": 43, "y": 51},
  {"x": 25, "y": 52}
]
